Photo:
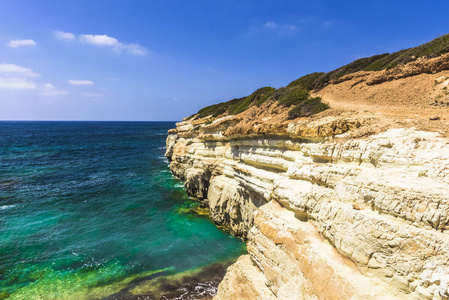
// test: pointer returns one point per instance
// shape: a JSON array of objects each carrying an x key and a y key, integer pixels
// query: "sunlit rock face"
[{"x": 324, "y": 216}]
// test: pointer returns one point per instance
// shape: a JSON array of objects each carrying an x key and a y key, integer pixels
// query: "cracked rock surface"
[{"x": 338, "y": 214}]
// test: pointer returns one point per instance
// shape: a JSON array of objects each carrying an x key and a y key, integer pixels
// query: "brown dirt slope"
[
  {"x": 410, "y": 94},
  {"x": 415, "y": 94}
]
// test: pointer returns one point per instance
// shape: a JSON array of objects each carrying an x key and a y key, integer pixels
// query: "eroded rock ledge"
[{"x": 328, "y": 212}]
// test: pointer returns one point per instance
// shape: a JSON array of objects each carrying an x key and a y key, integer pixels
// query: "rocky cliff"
[{"x": 347, "y": 204}]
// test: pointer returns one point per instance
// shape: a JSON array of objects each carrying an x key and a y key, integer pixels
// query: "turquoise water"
[{"x": 90, "y": 209}]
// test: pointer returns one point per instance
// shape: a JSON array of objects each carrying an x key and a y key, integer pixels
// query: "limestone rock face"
[
  {"x": 324, "y": 218},
  {"x": 244, "y": 280},
  {"x": 171, "y": 141}
]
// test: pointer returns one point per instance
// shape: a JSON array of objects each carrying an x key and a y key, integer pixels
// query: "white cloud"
[
  {"x": 103, "y": 40},
  {"x": 108, "y": 41},
  {"x": 271, "y": 25},
  {"x": 80, "y": 82},
  {"x": 50, "y": 90},
  {"x": 279, "y": 28},
  {"x": 15, "y": 70},
  {"x": 16, "y": 83},
  {"x": 99, "y": 40},
  {"x": 68, "y": 36},
  {"x": 16, "y": 77},
  {"x": 134, "y": 49},
  {"x": 20, "y": 43},
  {"x": 92, "y": 95}
]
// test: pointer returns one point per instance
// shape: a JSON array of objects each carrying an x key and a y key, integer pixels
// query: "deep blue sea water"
[{"x": 90, "y": 209}]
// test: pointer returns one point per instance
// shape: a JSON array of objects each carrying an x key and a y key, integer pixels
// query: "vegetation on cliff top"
[
  {"x": 379, "y": 62},
  {"x": 218, "y": 109},
  {"x": 237, "y": 105},
  {"x": 299, "y": 98},
  {"x": 307, "y": 108},
  {"x": 297, "y": 92},
  {"x": 258, "y": 97},
  {"x": 306, "y": 82},
  {"x": 295, "y": 95}
]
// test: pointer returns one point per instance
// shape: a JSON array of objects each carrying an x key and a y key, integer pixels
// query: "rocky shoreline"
[
  {"x": 349, "y": 202},
  {"x": 336, "y": 215}
]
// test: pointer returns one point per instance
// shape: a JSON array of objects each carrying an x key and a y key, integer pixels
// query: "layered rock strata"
[{"x": 325, "y": 216}]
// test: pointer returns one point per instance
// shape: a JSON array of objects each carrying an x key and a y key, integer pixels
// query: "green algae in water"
[
  {"x": 93, "y": 284},
  {"x": 87, "y": 209}
]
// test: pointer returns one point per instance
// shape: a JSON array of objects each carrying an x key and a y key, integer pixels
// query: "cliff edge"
[{"x": 349, "y": 201}]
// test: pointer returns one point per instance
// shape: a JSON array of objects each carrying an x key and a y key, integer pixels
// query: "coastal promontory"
[{"x": 337, "y": 182}]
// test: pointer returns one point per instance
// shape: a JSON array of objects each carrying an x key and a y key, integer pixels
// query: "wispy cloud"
[
  {"x": 16, "y": 71},
  {"x": 16, "y": 83},
  {"x": 104, "y": 40},
  {"x": 21, "y": 43},
  {"x": 271, "y": 25},
  {"x": 16, "y": 77},
  {"x": 50, "y": 90},
  {"x": 285, "y": 29},
  {"x": 280, "y": 28},
  {"x": 67, "y": 36},
  {"x": 80, "y": 82},
  {"x": 99, "y": 40}
]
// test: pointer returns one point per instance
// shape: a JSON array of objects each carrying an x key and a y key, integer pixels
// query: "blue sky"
[{"x": 164, "y": 60}]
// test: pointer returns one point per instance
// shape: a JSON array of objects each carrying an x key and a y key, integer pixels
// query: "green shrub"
[
  {"x": 307, "y": 108},
  {"x": 221, "y": 110},
  {"x": 431, "y": 49},
  {"x": 385, "y": 61},
  {"x": 258, "y": 97},
  {"x": 292, "y": 96},
  {"x": 240, "y": 106},
  {"x": 306, "y": 82},
  {"x": 355, "y": 66},
  {"x": 216, "y": 109},
  {"x": 208, "y": 110},
  {"x": 262, "y": 94},
  {"x": 278, "y": 94}
]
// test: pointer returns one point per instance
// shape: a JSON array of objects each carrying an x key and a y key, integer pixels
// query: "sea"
[{"x": 90, "y": 210}]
